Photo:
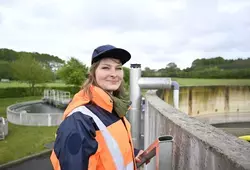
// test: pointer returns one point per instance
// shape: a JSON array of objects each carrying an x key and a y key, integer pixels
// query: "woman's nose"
[{"x": 113, "y": 73}]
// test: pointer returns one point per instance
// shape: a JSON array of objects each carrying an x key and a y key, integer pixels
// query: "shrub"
[{"x": 10, "y": 92}]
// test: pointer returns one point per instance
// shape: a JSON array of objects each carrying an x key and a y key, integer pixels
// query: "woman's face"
[{"x": 109, "y": 74}]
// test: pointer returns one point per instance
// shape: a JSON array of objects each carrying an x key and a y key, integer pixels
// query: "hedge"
[{"x": 10, "y": 92}]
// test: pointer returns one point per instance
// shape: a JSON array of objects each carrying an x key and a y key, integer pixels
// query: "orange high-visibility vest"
[{"x": 115, "y": 148}]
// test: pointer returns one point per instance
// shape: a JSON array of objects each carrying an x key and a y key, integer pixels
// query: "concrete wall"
[
  {"x": 212, "y": 99},
  {"x": 196, "y": 146},
  {"x": 32, "y": 119},
  {"x": 215, "y": 118}
]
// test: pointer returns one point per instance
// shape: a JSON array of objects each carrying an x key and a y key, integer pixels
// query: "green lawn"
[
  {"x": 202, "y": 82},
  {"x": 207, "y": 82},
  {"x": 23, "y": 140}
]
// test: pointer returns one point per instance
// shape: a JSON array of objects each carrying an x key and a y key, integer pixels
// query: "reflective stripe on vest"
[{"x": 110, "y": 141}]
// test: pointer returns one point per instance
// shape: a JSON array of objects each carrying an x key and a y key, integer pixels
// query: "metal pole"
[
  {"x": 154, "y": 82},
  {"x": 176, "y": 94},
  {"x": 176, "y": 99},
  {"x": 165, "y": 153},
  {"x": 135, "y": 98},
  {"x": 147, "y": 141},
  {"x": 136, "y": 84}
]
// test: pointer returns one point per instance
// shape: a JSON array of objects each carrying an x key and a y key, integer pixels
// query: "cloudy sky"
[{"x": 155, "y": 32}]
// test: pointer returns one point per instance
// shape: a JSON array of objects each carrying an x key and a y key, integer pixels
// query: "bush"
[{"x": 10, "y": 92}]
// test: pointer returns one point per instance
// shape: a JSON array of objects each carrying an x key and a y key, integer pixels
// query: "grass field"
[
  {"x": 22, "y": 84},
  {"x": 201, "y": 82},
  {"x": 207, "y": 82},
  {"x": 22, "y": 140},
  {"x": 181, "y": 81}
]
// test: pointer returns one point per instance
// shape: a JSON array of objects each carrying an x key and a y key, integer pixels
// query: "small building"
[{"x": 5, "y": 80}]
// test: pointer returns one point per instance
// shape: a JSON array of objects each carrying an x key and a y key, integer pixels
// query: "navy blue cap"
[{"x": 109, "y": 51}]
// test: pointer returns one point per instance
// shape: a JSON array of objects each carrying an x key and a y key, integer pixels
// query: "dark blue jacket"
[{"x": 75, "y": 141}]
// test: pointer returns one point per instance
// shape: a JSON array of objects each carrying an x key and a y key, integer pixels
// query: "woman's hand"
[{"x": 138, "y": 158}]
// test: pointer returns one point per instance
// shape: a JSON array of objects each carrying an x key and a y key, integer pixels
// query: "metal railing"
[
  {"x": 56, "y": 97},
  {"x": 136, "y": 84}
]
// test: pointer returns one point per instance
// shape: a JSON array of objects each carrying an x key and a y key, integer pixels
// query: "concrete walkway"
[{"x": 41, "y": 163}]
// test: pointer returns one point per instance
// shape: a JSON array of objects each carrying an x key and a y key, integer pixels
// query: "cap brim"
[{"x": 117, "y": 53}]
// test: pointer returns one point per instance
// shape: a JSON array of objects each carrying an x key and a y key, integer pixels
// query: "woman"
[{"x": 94, "y": 134}]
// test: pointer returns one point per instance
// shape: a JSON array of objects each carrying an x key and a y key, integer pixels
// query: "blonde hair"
[{"x": 91, "y": 80}]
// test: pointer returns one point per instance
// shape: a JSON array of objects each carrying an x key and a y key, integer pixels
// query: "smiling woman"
[{"x": 95, "y": 133}]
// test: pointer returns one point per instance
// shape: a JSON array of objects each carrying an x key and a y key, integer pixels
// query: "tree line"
[
  {"x": 217, "y": 67},
  {"x": 35, "y": 68},
  {"x": 8, "y": 56},
  {"x": 11, "y": 55}
]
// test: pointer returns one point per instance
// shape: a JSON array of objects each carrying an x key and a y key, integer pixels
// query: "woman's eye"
[
  {"x": 105, "y": 68},
  {"x": 119, "y": 68}
]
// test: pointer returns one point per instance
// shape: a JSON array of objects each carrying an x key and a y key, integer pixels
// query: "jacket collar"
[
  {"x": 102, "y": 98},
  {"x": 99, "y": 97}
]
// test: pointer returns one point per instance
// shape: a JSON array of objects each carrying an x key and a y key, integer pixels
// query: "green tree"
[
  {"x": 29, "y": 70},
  {"x": 11, "y": 55},
  {"x": 171, "y": 66},
  {"x": 73, "y": 72},
  {"x": 126, "y": 77},
  {"x": 7, "y": 54},
  {"x": 5, "y": 70},
  {"x": 147, "y": 72},
  {"x": 126, "y": 74}
]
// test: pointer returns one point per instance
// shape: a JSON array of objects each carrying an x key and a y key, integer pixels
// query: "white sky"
[{"x": 155, "y": 32}]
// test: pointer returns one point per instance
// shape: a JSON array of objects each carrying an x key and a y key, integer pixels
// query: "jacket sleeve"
[
  {"x": 136, "y": 151},
  {"x": 75, "y": 142}
]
